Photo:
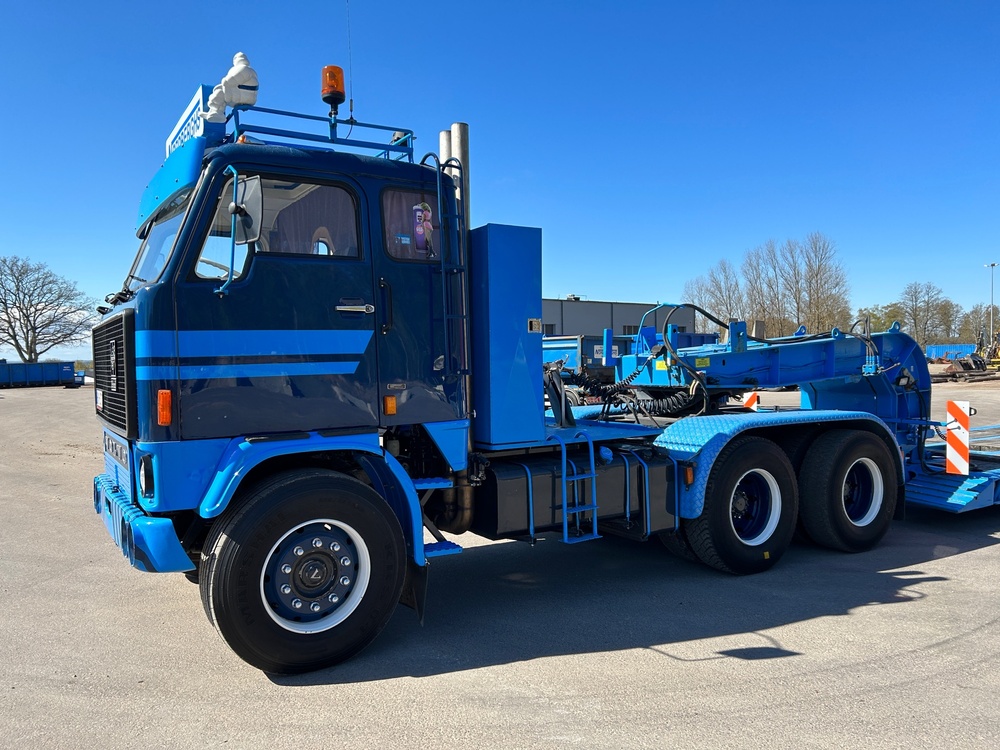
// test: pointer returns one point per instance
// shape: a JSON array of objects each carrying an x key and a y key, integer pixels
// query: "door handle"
[
  {"x": 367, "y": 309},
  {"x": 386, "y": 304}
]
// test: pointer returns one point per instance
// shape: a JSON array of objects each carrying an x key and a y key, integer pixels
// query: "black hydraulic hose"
[{"x": 604, "y": 390}]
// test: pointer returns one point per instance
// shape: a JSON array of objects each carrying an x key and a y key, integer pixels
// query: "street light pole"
[{"x": 991, "y": 266}]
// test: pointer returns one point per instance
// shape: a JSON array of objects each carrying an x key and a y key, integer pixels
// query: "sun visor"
[{"x": 179, "y": 172}]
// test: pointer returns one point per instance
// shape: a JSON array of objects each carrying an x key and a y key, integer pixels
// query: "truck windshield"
[{"x": 156, "y": 247}]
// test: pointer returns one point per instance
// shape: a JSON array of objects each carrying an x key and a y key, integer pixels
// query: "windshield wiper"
[{"x": 125, "y": 294}]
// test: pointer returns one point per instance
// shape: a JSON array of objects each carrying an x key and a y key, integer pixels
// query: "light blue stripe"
[
  {"x": 155, "y": 344},
  {"x": 267, "y": 370},
  {"x": 247, "y": 343}
]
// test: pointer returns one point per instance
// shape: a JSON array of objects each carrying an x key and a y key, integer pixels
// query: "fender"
[
  {"x": 700, "y": 440},
  {"x": 388, "y": 477}
]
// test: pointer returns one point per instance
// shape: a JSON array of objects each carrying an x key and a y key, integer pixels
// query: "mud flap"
[{"x": 414, "y": 592}]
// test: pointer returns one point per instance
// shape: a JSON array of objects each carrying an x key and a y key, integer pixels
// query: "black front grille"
[{"x": 114, "y": 372}]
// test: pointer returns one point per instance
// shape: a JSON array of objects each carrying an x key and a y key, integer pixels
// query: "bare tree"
[
  {"x": 825, "y": 283},
  {"x": 949, "y": 316},
  {"x": 695, "y": 293},
  {"x": 793, "y": 283},
  {"x": 920, "y": 305},
  {"x": 719, "y": 293},
  {"x": 763, "y": 292},
  {"x": 976, "y": 323},
  {"x": 39, "y": 310}
]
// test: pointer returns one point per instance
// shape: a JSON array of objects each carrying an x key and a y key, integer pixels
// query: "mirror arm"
[{"x": 224, "y": 289}]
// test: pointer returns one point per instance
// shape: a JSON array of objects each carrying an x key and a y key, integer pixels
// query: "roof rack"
[{"x": 192, "y": 125}]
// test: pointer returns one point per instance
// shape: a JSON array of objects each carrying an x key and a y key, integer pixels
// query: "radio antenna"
[{"x": 350, "y": 60}]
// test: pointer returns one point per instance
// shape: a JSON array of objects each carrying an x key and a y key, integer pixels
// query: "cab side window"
[
  {"x": 299, "y": 219},
  {"x": 311, "y": 220},
  {"x": 410, "y": 225}
]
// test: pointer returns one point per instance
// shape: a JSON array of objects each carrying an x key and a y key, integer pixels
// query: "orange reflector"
[
  {"x": 333, "y": 85},
  {"x": 688, "y": 475},
  {"x": 389, "y": 405},
  {"x": 164, "y": 408}
]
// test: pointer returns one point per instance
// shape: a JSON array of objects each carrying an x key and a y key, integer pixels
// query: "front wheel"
[
  {"x": 305, "y": 573},
  {"x": 751, "y": 502},
  {"x": 848, "y": 486}
]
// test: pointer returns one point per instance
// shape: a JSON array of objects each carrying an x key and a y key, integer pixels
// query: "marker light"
[
  {"x": 164, "y": 408},
  {"x": 389, "y": 405},
  {"x": 333, "y": 87}
]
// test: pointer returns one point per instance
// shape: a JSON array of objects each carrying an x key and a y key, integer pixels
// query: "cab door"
[
  {"x": 289, "y": 344},
  {"x": 418, "y": 369}
]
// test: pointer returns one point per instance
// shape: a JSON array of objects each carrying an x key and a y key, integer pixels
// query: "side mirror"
[{"x": 248, "y": 210}]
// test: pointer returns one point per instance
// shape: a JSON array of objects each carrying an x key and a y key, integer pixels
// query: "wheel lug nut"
[
  {"x": 297, "y": 603},
  {"x": 286, "y": 568},
  {"x": 345, "y": 561},
  {"x": 335, "y": 546},
  {"x": 286, "y": 589},
  {"x": 333, "y": 598},
  {"x": 317, "y": 542},
  {"x": 345, "y": 581},
  {"x": 314, "y": 607},
  {"x": 299, "y": 551}
]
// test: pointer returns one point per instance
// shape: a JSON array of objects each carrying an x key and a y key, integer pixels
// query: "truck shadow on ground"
[{"x": 510, "y": 602}]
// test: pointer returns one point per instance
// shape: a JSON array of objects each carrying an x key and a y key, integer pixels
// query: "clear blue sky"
[{"x": 647, "y": 139}]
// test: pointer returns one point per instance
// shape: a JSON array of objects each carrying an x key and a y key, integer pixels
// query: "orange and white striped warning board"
[
  {"x": 957, "y": 424},
  {"x": 751, "y": 401}
]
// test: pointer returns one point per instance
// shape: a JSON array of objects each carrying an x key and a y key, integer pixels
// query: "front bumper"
[{"x": 150, "y": 543}]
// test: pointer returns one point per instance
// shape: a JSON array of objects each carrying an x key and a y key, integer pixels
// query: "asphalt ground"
[{"x": 608, "y": 644}]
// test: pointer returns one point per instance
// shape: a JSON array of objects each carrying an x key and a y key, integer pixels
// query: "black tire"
[
  {"x": 848, "y": 490},
  {"x": 751, "y": 503},
  {"x": 304, "y": 573},
  {"x": 677, "y": 544}
]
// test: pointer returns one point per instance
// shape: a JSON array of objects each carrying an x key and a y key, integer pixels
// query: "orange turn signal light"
[
  {"x": 389, "y": 405},
  {"x": 164, "y": 408}
]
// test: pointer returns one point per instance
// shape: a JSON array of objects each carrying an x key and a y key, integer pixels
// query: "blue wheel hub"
[
  {"x": 755, "y": 507},
  {"x": 858, "y": 492},
  {"x": 310, "y": 573}
]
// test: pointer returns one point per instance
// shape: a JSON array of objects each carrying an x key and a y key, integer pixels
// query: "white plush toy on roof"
[{"x": 238, "y": 87}]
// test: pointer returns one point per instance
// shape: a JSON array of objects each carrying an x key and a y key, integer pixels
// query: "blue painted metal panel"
[
  {"x": 949, "y": 351},
  {"x": 241, "y": 455},
  {"x": 953, "y": 493},
  {"x": 506, "y": 294},
  {"x": 250, "y": 343},
  {"x": 179, "y": 172},
  {"x": 701, "y": 439},
  {"x": 452, "y": 439},
  {"x": 192, "y": 125},
  {"x": 213, "y": 470},
  {"x": 179, "y": 490},
  {"x": 187, "y": 346},
  {"x": 36, "y": 374},
  {"x": 582, "y": 351},
  {"x": 150, "y": 544}
]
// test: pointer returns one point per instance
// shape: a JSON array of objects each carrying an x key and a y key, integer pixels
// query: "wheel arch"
[
  {"x": 700, "y": 440},
  {"x": 247, "y": 463}
]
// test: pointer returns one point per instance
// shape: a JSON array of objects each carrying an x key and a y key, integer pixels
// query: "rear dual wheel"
[
  {"x": 849, "y": 490},
  {"x": 304, "y": 573}
]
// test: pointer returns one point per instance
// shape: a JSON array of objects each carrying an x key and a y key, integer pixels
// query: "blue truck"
[{"x": 314, "y": 371}]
